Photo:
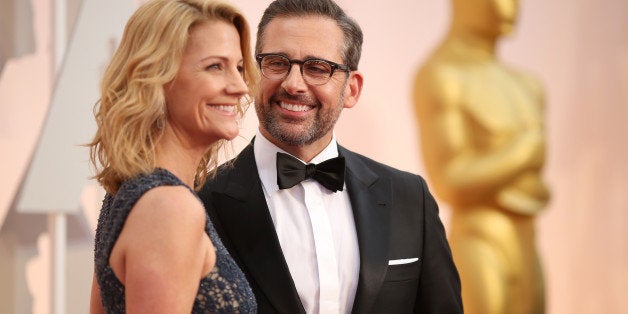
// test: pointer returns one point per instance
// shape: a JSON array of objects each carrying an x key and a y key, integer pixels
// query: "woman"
[{"x": 170, "y": 99}]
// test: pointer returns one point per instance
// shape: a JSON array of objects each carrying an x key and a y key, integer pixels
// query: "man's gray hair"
[{"x": 291, "y": 8}]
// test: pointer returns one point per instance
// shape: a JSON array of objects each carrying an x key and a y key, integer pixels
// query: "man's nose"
[{"x": 294, "y": 83}]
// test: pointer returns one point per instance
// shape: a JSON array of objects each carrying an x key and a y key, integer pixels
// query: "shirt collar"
[{"x": 266, "y": 159}]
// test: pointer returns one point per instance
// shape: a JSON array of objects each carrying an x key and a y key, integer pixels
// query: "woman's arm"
[
  {"x": 95, "y": 303},
  {"x": 162, "y": 252}
]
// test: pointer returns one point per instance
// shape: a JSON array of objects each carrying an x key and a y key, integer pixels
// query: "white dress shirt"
[{"x": 316, "y": 231}]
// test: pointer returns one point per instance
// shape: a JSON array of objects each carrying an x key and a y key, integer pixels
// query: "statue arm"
[
  {"x": 527, "y": 193},
  {"x": 461, "y": 171}
]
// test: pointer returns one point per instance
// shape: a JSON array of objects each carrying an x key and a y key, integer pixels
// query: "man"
[{"x": 371, "y": 243}]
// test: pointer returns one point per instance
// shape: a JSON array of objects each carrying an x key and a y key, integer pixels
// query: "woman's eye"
[{"x": 215, "y": 66}]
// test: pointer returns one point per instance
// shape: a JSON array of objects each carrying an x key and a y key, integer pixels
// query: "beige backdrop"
[{"x": 578, "y": 48}]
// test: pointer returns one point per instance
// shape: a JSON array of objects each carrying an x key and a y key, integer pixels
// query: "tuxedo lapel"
[
  {"x": 370, "y": 197},
  {"x": 246, "y": 221},
  {"x": 245, "y": 218}
]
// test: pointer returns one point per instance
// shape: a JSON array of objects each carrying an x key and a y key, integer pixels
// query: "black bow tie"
[{"x": 329, "y": 173}]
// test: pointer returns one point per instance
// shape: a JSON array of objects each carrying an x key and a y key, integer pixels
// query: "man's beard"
[{"x": 323, "y": 123}]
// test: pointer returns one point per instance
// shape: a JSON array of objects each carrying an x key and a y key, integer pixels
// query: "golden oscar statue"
[{"x": 483, "y": 141}]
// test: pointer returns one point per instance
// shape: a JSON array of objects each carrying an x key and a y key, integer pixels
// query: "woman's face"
[{"x": 202, "y": 99}]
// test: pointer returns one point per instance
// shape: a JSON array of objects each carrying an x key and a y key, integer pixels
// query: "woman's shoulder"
[
  {"x": 159, "y": 200},
  {"x": 171, "y": 202}
]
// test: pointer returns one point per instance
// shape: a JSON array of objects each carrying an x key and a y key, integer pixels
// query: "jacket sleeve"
[{"x": 439, "y": 284}]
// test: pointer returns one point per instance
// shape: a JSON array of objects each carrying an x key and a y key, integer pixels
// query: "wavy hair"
[{"x": 131, "y": 112}]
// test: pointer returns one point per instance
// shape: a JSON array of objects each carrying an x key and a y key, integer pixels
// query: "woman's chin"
[{"x": 230, "y": 134}]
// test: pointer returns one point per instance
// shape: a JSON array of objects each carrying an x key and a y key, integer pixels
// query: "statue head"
[{"x": 492, "y": 18}]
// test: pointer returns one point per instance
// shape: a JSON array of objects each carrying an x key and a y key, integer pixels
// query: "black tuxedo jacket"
[{"x": 396, "y": 217}]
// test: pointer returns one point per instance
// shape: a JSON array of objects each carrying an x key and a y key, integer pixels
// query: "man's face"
[{"x": 291, "y": 112}]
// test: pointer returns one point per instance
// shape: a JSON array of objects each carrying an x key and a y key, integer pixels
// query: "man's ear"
[{"x": 353, "y": 89}]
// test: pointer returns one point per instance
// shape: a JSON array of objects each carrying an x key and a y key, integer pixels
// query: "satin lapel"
[
  {"x": 245, "y": 218},
  {"x": 370, "y": 199}
]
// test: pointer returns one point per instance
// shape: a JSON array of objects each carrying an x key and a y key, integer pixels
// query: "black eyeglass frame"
[{"x": 333, "y": 65}]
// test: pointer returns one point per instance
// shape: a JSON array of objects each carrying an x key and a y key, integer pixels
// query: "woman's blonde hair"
[{"x": 131, "y": 112}]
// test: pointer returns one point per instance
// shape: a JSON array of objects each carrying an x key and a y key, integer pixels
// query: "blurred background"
[{"x": 52, "y": 54}]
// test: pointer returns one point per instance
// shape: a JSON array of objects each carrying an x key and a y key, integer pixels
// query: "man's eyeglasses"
[{"x": 314, "y": 71}]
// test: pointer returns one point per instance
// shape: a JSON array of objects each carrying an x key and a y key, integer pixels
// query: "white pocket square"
[{"x": 402, "y": 261}]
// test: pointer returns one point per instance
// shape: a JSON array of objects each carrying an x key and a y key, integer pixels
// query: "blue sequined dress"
[{"x": 223, "y": 290}]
